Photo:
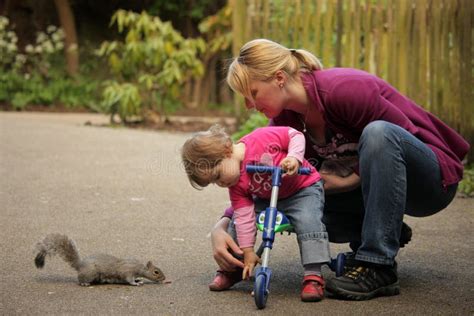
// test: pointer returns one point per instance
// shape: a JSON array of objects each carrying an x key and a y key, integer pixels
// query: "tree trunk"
[
  {"x": 196, "y": 96},
  {"x": 197, "y": 92},
  {"x": 69, "y": 26},
  {"x": 186, "y": 97},
  {"x": 208, "y": 86},
  {"x": 5, "y": 7},
  {"x": 225, "y": 95}
]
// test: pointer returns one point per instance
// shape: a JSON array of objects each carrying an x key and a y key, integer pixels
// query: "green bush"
[
  {"x": 38, "y": 75},
  {"x": 122, "y": 99},
  {"x": 466, "y": 186},
  {"x": 20, "y": 91},
  {"x": 255, "y": 120},
  {"x": 152, "y": 62}
]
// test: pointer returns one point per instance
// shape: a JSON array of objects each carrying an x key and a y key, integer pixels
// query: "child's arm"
[
  {"x": 295, "y": 156},
  {"x": 244, "y": 218}
]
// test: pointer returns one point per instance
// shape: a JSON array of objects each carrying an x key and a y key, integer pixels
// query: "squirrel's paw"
[
  {"x": 134, "y": 283},
  {"x": 84, "y": 284}
]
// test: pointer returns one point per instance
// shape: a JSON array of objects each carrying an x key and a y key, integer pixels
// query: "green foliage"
[
  {"x": 30, "y": 78},
  {"x": 182, "y": 9},
  {"x": 152, "y": 57},
  {"x": 255, "y": 120},
  {"x": 218, "y": 30},
  {"x": 123, "y": 99},
  {"x": 37, "y": 58},
  {"x": 78, "y": 93},
  {"x": 40, "y": 56},
  {"x": 22, "y": 90},
  {"x": 466, "y": 186},
  {"x": 226, "y": 108}
]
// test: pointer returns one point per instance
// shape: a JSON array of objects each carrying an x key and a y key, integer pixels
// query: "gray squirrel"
[{"x": 101, "y": 268}]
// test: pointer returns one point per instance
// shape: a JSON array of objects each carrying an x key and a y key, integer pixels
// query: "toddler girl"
[{"x": 212, "y": 157}]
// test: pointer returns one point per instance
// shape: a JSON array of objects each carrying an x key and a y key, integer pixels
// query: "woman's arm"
[
  {"x": 336, "y": 184},
  {"x": 223, "y": 245}
]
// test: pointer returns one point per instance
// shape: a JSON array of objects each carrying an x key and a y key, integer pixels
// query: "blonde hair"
[
  {"x": 204, "y": 151},
  {"x": 260, "y": 59}
]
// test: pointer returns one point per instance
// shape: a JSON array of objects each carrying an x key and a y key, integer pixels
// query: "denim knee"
[{"x": 374, "y": 136}]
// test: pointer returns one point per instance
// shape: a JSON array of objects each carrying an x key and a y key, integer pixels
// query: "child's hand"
[
  {"x": 250, "y": 261},
  {"x": 290, "y": 165}
]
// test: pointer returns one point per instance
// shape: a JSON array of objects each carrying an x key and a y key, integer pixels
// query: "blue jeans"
[
  {"x": 399, "y": 175},
  {"x": 304, "y": 209}
]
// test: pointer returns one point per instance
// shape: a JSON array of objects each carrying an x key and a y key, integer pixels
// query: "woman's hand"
[
  {"x": 337, "y": 184},
  {"x": 250, "y": 261},
  {"x": 290, "y": 165},
  {"x": 223, "y": 246}
]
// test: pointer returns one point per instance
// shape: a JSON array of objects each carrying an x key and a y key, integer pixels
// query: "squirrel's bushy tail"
[{"x": 57, "y": 244}]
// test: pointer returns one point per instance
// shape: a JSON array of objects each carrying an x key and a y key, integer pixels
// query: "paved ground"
[{"x": 123, "y": 192}]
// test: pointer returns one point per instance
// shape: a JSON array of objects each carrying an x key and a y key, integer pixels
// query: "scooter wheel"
[
  {"x": 340, "y": 262},
  {"x": 261, "y": 293}
]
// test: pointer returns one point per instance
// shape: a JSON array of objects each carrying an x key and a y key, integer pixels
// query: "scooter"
[{"x": 272, "y": 221}]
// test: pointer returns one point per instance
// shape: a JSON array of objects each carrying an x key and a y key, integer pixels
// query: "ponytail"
[{"x": 260, "y": 59}]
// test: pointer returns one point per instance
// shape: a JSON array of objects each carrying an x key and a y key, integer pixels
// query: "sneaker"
[
  {"x": 350, "y": 261},
  {"x": 365, "y": 282},
  {"x": 224, "y": 280},
  {"x": 312, "y": 289}
]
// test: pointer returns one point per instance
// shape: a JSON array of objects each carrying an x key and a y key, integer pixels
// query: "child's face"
[{"x": 226, "y": 173}]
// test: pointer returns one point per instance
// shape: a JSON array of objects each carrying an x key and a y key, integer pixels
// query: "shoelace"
[{"x": 355, "y": 272}]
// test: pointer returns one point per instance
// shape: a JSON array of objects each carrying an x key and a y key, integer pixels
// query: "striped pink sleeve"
[
  {"x": 244, "y": 219},
  {"x": 297, "y": 144}
]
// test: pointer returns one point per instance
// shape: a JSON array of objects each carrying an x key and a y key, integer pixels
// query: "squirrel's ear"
[{"x": 149, "y": 264}]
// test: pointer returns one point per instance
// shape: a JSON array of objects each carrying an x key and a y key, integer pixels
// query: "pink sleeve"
[
  {"x": 244, "y": 219},
  {"x": 297, "y": 144}
]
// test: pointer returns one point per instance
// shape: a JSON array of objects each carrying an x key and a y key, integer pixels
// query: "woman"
[{"x": 381, "y": 156}]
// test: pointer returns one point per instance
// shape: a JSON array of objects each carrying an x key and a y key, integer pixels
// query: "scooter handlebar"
[{"x": 271, "y": 169}]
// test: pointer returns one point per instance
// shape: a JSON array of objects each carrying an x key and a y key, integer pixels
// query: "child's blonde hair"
[
  {"x": 204, "y": 151},
  {"x": 260, "y": 59}
]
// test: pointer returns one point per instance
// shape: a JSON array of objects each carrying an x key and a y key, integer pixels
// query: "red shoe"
[
  {"x": 312, "y": 289},
  {"x": 225, "y": 280}
]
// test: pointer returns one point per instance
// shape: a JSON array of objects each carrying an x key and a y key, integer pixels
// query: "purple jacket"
[{"x": 350, "y": 99}]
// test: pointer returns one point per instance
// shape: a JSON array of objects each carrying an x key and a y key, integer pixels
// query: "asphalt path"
[{"x": 124, "y": 192}]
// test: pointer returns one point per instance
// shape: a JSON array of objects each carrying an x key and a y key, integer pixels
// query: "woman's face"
[{"x": 268, "y": 96}]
